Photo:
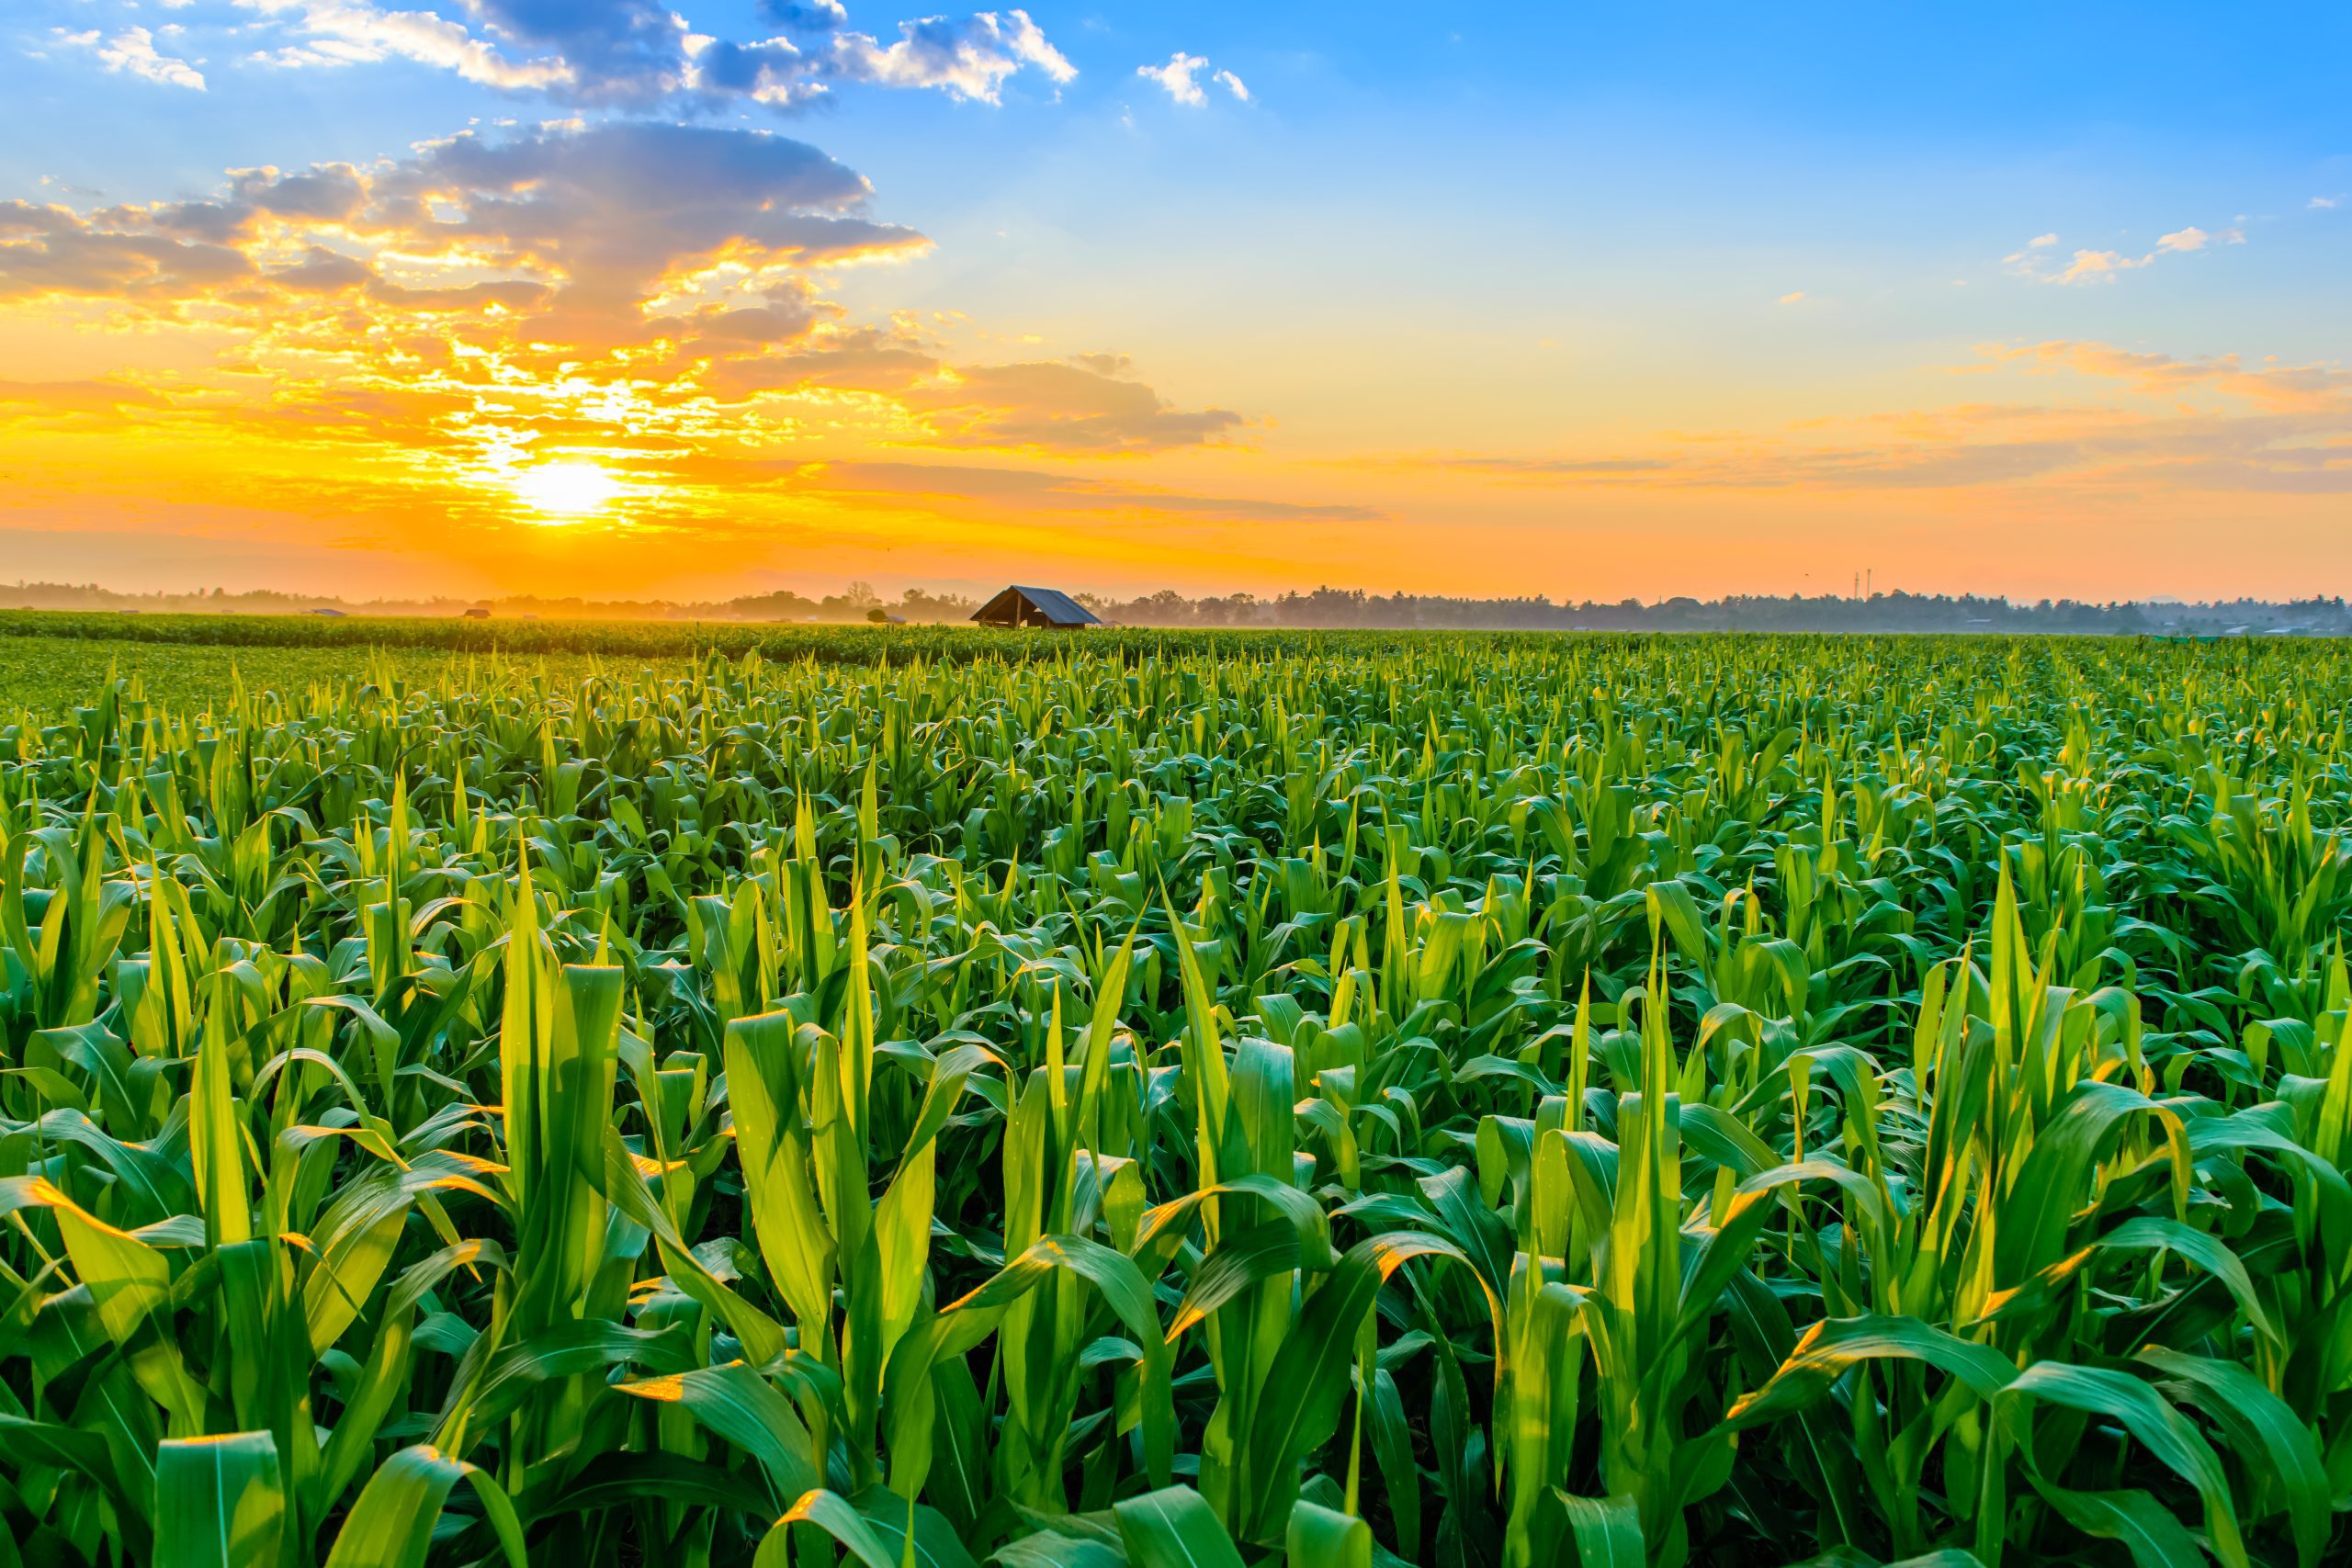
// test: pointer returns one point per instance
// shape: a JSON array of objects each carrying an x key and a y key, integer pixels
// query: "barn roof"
[
  {"x": 1059, "y": 606},
  {"x": 1054, "y": 605}
]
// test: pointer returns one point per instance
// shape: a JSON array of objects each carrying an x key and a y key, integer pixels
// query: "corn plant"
[{"x": 1475, "y": 1101}]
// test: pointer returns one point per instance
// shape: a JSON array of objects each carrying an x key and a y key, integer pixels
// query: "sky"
[{"x": 602, "y": 298}]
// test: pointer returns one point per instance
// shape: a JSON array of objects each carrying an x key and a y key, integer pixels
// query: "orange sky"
[{"x": 631, "y": 357}]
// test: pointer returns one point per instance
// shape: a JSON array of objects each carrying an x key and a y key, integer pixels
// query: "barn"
[{"x": 1022, "y": 606}]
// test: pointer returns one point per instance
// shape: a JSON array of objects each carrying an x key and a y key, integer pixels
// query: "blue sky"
[{"x": 1456, "y": 276}]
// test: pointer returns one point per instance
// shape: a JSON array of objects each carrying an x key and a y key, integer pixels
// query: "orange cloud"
[
  {"x": 422, "y": 338},
  {"x": 2282, "y": 429},
  {"x": 2104, "y": 267}
]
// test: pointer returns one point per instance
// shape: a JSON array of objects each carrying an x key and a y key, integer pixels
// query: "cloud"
[
  {"x": 2195, "y": 239},
  {"x": 805, "y": 16},
  {"x": 480, "y": 261},
  {"x": 970, "y": 58},
  {"x": 2104, "y": 266},
  {"x": 1553, "y": 467},
  {"x": 2312, "y": 389},
  {"x": 1176, "y": 78},
  {"x": 630, "y": 52},
  {"x": 2099, "y": 265},
  {"x": 1036, "y": 491},
  {"x": 603, "y": 222},
  {"x": 638, "y": 54},
  {"x": 2200, "y": 424},
  {"x": 132, "y": 52},
  {"x": 66, "y": 397},
  {"x": 1795, "y": 296},
  {"x": 1179, "y": 79},
  {"x": 2322, "y": 203},
  {"x": 404, "y": 338},
  {"x": 49, "y": 251},
  {"x": 334, "y": 33},
  {"x": 1071, "y": 407}
]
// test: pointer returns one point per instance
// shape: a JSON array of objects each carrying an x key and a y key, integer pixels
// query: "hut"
[
  {"x": 1023, "y": 606},
  {"x": 477, "y": 613}
]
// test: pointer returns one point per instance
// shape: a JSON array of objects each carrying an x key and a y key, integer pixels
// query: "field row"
[{"x": 1473, "y": 1100}]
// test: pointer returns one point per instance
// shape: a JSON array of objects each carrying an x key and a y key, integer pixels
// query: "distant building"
[
  {"x": 324, "y": 610},
  {"x": 478, "y": 613},
  {"x": 1022, "y": 606}
]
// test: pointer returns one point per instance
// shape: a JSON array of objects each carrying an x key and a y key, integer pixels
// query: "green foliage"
[{"x": 923, "y": 1097}]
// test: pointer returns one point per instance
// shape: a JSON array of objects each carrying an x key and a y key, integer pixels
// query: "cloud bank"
[
  {"x": 2212, "y": 424},
  {"x": 655, "y": 298},
  {"x": 640, "y": 55}
]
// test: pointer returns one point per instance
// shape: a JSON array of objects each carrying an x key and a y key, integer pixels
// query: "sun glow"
[{"x": 565, "y": 490}]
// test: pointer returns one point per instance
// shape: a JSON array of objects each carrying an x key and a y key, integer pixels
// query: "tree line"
[{"x": 1895, "y": 611}]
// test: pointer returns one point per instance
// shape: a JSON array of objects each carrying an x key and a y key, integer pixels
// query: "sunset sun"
[{"x": 563, "y": 491}]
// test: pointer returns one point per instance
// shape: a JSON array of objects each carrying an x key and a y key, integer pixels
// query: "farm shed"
[{"x": 1020, "y": 606}]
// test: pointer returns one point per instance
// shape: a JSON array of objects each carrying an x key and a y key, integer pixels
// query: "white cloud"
[
  {"x": 969, "y": 59},
  {"x": 636, "y": 53},
  {"x": 2322, "y": 203},
  {"x": 2039, "y": 241},
  {"x": 2189, "y": 238},
  {"x": 1233, "y": 84},
  {"x": 1795, "y": 296},
  {"x": 132, "y": 52},
  {"x": 1176, "y": 77},
  {"x": 351, "y": 33},
  {"x": 1029, "y": 44}
]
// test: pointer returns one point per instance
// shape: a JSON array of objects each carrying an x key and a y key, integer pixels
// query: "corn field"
[{"x": 1475, "y": 1102}]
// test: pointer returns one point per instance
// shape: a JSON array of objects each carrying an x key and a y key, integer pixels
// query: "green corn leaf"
[
  {"x": 1047, "y": 1549},
  {"x": 1174, "y": 1528},
  {"x": 1325, "y": 1538},
  {"x": 219, "y": 1503},
  {"x": 1829, "y": 1350},
  {"x": 832, "y": 1514},
  {"x": 736, "y": 1403},
  {"x": 936, "y": 1543},
  {"x": 1309, "y": 1373},
  {"x": 1606, "y": 1532},
  {"x": 2147, "y": 1417},
  {"x": 392, "y": 1524},
  {"x": 2270, "y": 1438}
]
